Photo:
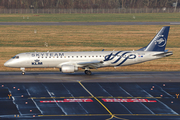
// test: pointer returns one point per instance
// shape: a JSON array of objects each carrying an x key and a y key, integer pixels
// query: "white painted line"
[
  {"x": 55, "y": 100},
  {"x": 78, "y": 102},
  {"x": 173, "y": 112},
  {"x": 34, "y": 102},
  {"x": 140, "y": 103},
  {"x": 15, "y": 102},
  {"x": 166, "y": 92}
]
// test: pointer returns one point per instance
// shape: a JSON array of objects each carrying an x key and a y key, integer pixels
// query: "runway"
[
  {"x": 89, "y": 23},
  {"x": 103, "y": 95},
  {"x": 50, "y": 77}
]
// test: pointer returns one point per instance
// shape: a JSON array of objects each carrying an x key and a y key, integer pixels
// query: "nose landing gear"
[{"x": 23, "y": 71}]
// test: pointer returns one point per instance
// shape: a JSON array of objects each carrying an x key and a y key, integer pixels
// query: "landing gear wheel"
[
  {"x": 23, "y": 71},
  {"x": 87, "y": 72}
]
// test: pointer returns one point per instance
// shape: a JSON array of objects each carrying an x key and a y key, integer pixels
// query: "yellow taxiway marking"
[
  {"x": 91, "y": 97},
  {"x": 147, "y": 114},
  {"x": 59, "y": 97},
  {"x": 113, "y": 115},
  {"x": 77, "y": 115},
  {"x": 177, "y": 95},
  {"x": 125, "y": 97},
  {"x": 95, "y": 97}
]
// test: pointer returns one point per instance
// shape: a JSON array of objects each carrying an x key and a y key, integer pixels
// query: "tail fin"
[{"x": 158, "y": 43}]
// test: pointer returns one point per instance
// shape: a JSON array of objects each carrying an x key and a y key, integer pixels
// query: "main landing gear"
[
  {"x": 87, "y": 72},
  {"x": 23, "y": 71}
]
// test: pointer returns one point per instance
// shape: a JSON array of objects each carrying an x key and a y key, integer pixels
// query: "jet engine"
[{"x": 68, "y": 69}]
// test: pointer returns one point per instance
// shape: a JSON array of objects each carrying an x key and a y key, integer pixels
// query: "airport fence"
[{"x": 88, "y": 11}]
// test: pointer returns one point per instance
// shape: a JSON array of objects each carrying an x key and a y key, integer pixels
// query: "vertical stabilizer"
[{"x": 158, "y": 43}]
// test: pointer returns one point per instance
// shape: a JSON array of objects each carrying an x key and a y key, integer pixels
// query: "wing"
[{"x": 91, "y": 64}]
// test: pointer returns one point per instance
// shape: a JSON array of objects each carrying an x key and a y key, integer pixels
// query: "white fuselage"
[{"x": 57, "y": 59}]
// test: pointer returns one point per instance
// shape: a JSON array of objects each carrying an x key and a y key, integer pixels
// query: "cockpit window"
[{"x": 15, "y": 57}]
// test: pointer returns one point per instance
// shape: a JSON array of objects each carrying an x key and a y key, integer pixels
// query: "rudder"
[{"x": 158, "y": 43}]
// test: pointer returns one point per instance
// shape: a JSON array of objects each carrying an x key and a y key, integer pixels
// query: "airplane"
[{"x": 70, "y": 62}]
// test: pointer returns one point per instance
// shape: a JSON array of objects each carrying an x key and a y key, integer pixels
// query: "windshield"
[{"x": 15, "y": 57}]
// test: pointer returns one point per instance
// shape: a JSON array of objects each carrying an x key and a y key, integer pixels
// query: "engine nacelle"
[{"x": 68, "y": 69}]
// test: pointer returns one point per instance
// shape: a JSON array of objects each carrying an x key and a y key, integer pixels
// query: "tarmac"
[{"x": 102, "y": 95}]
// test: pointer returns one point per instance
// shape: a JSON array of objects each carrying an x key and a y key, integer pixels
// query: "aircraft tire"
[{"x": 87, "y": 72}]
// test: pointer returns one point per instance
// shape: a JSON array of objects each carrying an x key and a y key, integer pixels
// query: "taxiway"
[{"x": 103, "y": 95}]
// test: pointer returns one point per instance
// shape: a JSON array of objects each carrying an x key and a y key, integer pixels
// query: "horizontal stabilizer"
[{"x": 165, "y": 54}]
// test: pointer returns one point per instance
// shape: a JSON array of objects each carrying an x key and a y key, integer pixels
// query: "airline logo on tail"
[{"x": 161, "y": 41}]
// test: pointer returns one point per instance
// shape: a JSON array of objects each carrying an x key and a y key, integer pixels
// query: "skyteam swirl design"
[
  {"x": 160, "y": 40},
  {"x": 120, "y": 55}
]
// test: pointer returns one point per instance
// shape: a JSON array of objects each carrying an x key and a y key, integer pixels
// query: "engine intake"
[{"x": 68, "y": 69}]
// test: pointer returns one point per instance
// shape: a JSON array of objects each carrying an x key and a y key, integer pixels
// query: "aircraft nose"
[{"x": 6, "y": 64}]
